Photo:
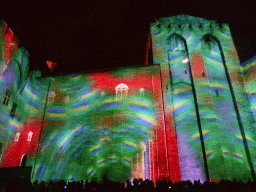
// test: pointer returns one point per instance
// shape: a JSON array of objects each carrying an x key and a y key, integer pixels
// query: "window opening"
[
  {"x": 121, "y": 90},
  {"x": 7, "y": 97},
  {"x": 30, "y": 136},
  {"x": 13, "y": 110}
]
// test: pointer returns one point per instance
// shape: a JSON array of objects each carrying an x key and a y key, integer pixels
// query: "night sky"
[{"x": 93, "y": 35}]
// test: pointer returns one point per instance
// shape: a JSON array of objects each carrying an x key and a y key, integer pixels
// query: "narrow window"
[
  {"x": 13, "y": 110},
  {"x": 30, "y": 136},
  {"x": 203, "y": 74},
  {"x": 17, "y": 135},
  {"x": 7, "y": 97}
]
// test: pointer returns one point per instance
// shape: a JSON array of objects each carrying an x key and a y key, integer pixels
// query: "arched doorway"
[{"x": 23, "y": 160}]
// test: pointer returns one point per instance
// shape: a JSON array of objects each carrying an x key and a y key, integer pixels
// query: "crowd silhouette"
[{"x": 24, "y": 185}]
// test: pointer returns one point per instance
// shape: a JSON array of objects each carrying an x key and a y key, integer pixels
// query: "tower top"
[{"x": 187, "y": 21}]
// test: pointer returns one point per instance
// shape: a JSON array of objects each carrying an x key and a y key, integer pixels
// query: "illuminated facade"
[
  {"x": 187, "y": 117},
  {"x": 78, "y": 126},
  {"x": 205, "y": 98}
]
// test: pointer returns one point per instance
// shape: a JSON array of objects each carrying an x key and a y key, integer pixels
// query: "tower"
[{"x": 205, "y": 99}]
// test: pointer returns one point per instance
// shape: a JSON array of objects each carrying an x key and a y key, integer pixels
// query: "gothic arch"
[
  {"x": 176, "y": 34},
  {"x": 175, "y": 37},
  {"x": 23, "y": 160},
  {"x": 182, "y": 76},
  {"x": 175, "y": 42},
  {"x": 210, "y": 37}
]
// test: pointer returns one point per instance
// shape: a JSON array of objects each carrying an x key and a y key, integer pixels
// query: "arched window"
[
  {"x": 7, "y": 97},
  {"x": 30, "y": 136},
  {"x": 176, "y": 43},
  {"x": 17, "y": 135},
  {"x": 121, "y": 90},
  {"x": 209, "y": 43}
]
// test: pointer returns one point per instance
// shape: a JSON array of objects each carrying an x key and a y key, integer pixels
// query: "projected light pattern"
[
  {"x": 98, "y": 130},
  {"x": 178, "y": 42},
  {"x": 248, "y": 70},
  {"x": 134, "y": 122},
  {"x": 85, "y": 134}
]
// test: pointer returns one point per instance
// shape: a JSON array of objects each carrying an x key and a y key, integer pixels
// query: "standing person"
[{"x": 50, "y": 187}]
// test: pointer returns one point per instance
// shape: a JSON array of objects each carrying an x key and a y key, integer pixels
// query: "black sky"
[{"x": 104, "y": 34}]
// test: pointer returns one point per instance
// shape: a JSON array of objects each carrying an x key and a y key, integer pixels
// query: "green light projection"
[{"x": 224, "y": 148}]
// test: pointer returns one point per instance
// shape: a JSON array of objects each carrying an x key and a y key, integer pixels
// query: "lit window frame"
[{"x": 30, "y": 134}]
